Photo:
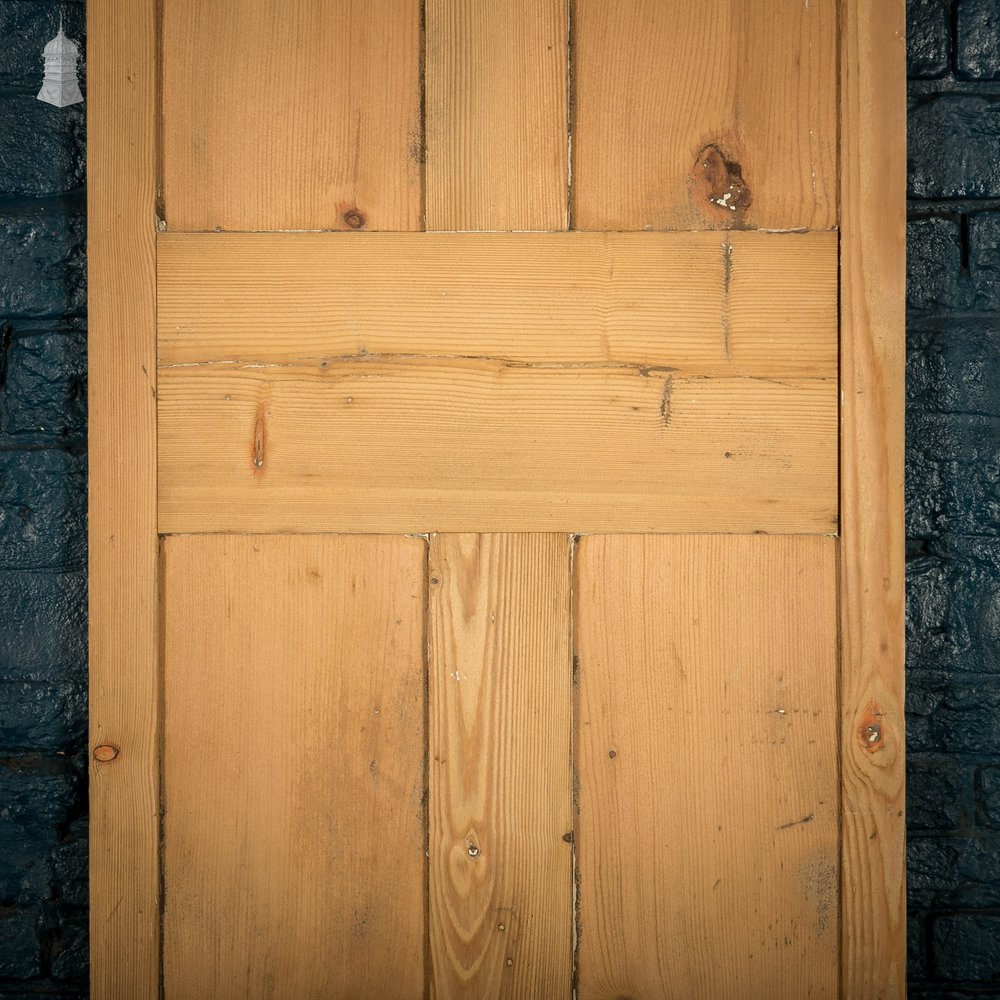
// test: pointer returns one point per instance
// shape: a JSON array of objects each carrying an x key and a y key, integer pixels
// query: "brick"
[
  {"x": 45, "y": 384},
  {"x": 955, "y": 872},
  {"x": 916, "y": 948},
  {"x": 954, "y": 146},
  {"x": 934, "y": 278},
  {"x": 44, "y": 272},
  {"x": 953, "y": 625},
  {"x": 20, "y": 949},
  {"x": 25, "y": 27},
  {"x": 955, "y": 367},
  {"x": 984, "y": 260},
  {"x": 988, "y": 795},
  {"x": 952, "y": 713},
  {"x": 43, "y": 510},
  {"x": 951, "y": 462},
  {"x": 976, "y": 605},
  {"x": 42, "y": 148},
  {"x": 69, "y": 866},
  {"x": 928, "y": 38},
  {"x": 37, "y": 990},
  {"x": 977, "y": 45},
  {"x": 25, "y": 874},
  {"x": 40, "y": 789},
  {"x": 966, "y": 947},
  {"x": 925, "y": 991},
  {"x": 939, "y": 792},
  {"x": 70, "y": 959},
  {"x": 43, "y": 633},
  {"x": 37, "y": 715}
]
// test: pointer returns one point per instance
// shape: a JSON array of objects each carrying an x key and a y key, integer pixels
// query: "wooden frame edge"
[
  {"x": 872, "y": 544},
  {"x": 124, "y": 645}
]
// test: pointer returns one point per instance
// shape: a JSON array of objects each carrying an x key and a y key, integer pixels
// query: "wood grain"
[
  {"x": 291, "y": 114},
  {"x": 707, "y": 839},
  {"x": 496, "y": 106},
  {"x": 294, "y": 832},
  {"x": 477, "y": 446},
  {"x": 500, "y": 680},
  {"x": 748, "y": 303},
  {"x": 873, "y": 194},
  {"x": 124, "y": 641},
  {"x": 678, "y": 105}
]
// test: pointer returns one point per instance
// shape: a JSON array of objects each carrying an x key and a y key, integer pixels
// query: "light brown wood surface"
[
  {"x": 667, "y": 93},
  {"x": 123, "y": 619},
  {"x": 496, "y": 114},
  {"x": 707, "y": 839},
  {"x": 873, "y": 194},
  {"x": 291, "y": 115},
  {"x": 500, "y": 890},
  {"x": 638, "y": 436},
  {"x": 748, "y": 303},
  {"x": 476, "y": 445},
  {"x": 293, "y": 768}
]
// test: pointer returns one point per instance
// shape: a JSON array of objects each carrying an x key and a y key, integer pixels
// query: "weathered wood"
[
  {"x": 720, "y": 114},
  {"x": 124, "y": 643},
  {"x": 747, "y": 303},
  {"x": 293, "y": 767},
  {"x": 707, "y": 835},
  {"x": 500, "y": 827},
  {"x": 476, "y": 445},
  {"x": 291, "y": 115},
  {"x": 496, "y": 106},
  {"x": 873, "y": 195}
]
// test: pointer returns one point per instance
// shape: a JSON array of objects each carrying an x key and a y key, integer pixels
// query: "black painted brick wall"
[
  {"x": 43, "y": 474},
  {"x": 953, "y": 498},
  {"x": 953, "y": 490}
]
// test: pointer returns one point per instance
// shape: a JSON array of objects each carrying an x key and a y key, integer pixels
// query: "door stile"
[
  {"x": 872, "y": 345},
  {"x": 124, "y": 607}
]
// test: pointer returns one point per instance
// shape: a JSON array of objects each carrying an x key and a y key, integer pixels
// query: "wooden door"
[{"x": 496, "y": 534}]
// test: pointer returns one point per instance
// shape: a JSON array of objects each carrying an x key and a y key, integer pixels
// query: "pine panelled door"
[{"x": 496, "y": 499}]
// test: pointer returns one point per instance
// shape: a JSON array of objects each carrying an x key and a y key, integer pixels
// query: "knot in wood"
[{"x": 353, "y": 218}]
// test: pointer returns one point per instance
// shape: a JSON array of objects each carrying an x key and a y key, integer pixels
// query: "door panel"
[
  {"x": 500, "y": 904},
  {"x": 718, "y": 115},
  {"x": 707, "y": 838},
  {"x": 385, "y": 447},
  {"x": 629, "y": 382},
  {"x": 282, "y": 115},
  {"x": 293, "y": 767},
  {"x": 497, "y": 102},
  {"x": 696, "y": 303}
]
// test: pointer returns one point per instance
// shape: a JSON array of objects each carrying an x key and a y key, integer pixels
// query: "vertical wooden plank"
[
  {"x": 496, "y": 114},
  {"x": 873, "y": 199},
  {"x": 500, "y": 876},
  {"x": 294, "y": 745},
  {"x": 707, "y": 838},
  {"x": 124, "y": 685},
  {"x": 721, "y": 114},
  {"x": 291, "y": 114}
]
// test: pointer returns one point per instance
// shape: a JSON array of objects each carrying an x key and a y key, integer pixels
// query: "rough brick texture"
[
  {"x": 977, "y": 49},
  {"x": 953, "y": 469},
  {"x": 953, "y": 499},
  {"x": 43, "y": 482}
]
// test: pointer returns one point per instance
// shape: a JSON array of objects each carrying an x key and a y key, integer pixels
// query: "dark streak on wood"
[
  {"x": 798, "y": 822},
  {"x": 258, "y": 445},
  {"x": 727, "y": 280},
  {"x": 668, "y": 389}
]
